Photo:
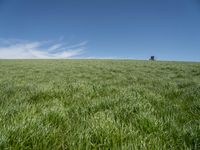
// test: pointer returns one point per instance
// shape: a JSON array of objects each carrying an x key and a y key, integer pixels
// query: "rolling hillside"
[{"x": 99, "y": 104}]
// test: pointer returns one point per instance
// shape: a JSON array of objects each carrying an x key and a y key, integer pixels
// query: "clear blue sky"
[{"x": 168, "y": 29}]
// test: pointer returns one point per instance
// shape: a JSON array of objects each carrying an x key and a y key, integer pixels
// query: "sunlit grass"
[{"x": 99, "y": 104}]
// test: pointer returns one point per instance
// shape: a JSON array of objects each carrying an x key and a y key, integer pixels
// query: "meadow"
[{"x": 99, "y": 104}]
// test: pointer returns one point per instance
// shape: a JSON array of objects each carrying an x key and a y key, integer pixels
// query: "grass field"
[{"x": 99, "y": 104}]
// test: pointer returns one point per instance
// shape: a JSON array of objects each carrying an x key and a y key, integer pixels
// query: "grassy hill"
[{"x": 99, "y": 104}]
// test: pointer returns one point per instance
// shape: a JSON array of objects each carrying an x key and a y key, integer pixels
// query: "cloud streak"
[{"x": 18, "y": 49}]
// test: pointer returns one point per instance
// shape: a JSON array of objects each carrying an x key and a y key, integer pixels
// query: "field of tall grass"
[{"x": 99, "y": 104}]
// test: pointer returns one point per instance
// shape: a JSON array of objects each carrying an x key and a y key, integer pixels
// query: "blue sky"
[{"x": 134, "y": 29}]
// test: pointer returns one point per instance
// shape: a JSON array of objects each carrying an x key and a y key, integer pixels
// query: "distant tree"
[{"x": 152, "y": 58}]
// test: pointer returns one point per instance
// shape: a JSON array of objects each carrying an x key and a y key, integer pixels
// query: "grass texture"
[{"x": 99, "y": 104}]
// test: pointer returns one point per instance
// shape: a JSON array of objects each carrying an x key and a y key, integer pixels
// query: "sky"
[{"x": 118, "y": 29}]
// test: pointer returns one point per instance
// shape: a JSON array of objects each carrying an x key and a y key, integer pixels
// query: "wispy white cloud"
[
  {"x": 82, "y": 44},
  {"x": 55, "y": 47},
  {"x": 20, "y": 49}
]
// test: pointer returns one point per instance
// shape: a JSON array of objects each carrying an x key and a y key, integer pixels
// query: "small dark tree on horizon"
[{"x": 152, "y": 58}]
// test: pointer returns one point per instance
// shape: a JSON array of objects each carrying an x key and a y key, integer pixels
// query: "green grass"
[{"x": 99, "y": 104}]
